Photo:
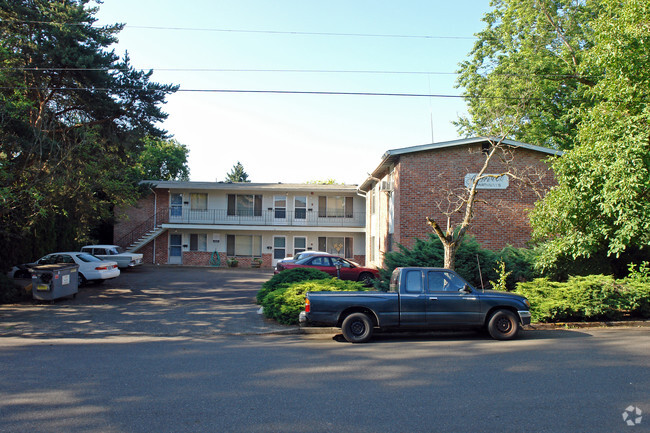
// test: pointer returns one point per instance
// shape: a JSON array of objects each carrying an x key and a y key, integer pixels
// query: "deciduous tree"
[{"x": 602, "y": 201}]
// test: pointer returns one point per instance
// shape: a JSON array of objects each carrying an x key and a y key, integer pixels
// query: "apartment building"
[{"x": 210, "y": 223}]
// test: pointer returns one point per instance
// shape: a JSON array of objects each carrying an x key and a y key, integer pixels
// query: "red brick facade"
[{"x": 424, "y": 184}]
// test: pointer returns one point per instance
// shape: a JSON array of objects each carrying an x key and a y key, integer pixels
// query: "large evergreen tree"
[{"x": 72, "y": 119}]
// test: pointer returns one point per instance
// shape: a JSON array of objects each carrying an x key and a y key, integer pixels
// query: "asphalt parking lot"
[{"x": 150, "y": 300}]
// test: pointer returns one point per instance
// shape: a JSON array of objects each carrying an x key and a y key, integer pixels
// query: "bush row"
[
  {"x": 283, "y": 296},
  {"x": 588, "y": 298},
  {"x": 519, "y": 262}
]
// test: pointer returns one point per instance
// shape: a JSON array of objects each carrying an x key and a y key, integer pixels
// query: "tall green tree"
[
  {"x": 602, "y": 200},
  {"x": 531, "y": 53},
  {"x": 72, "y": 116},
  {"x": 163, "y": 159},
  {"x": 237, "y": 174}
]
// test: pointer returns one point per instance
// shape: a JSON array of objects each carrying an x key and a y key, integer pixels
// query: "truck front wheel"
[
  {"x": 357, "y": 328},
  {"x": 503, "y": 325}
]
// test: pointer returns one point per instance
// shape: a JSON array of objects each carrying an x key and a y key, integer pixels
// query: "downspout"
[{"x": 155, "y": 221}]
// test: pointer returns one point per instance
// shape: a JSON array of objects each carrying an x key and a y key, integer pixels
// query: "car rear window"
[{"x": 87, "y": 258}]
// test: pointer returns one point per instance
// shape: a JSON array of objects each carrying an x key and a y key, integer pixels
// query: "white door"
[{"x": 175, "y": 249}]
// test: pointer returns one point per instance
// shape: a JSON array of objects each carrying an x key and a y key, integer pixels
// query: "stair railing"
[{"x": 155, "y": 221}]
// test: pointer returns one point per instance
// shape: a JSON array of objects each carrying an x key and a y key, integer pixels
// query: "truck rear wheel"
[
  {"x": 357, "y": 328},
  {"x": 503, "y": 325}
]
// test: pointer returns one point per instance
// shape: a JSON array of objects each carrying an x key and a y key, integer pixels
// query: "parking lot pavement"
[{"x": 151, "y": 300}]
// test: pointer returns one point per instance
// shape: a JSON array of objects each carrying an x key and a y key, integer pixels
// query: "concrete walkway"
[{"x": 154, "y": 301}]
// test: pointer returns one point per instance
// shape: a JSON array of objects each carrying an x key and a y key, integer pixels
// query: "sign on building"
[{"x": 490, "y": 182}]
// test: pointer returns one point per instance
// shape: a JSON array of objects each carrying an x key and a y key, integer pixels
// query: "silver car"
[{"x": 115, "y": 253}]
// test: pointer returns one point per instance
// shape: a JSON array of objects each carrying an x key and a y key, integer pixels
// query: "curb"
[{"x": 533, "y": 327}]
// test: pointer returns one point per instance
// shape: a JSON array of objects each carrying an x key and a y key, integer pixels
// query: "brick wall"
[
  {"x": 131, "y": 217},
  {"x": 425, "y": 181}
]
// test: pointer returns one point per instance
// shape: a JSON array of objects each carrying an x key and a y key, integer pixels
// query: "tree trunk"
[{"x": 450, "y": 254}]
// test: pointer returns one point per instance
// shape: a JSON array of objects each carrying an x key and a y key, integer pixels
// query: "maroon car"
[{"x": 335, "y": 266}]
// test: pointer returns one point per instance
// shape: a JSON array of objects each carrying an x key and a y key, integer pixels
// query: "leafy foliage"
[
  {"x": 288, "y": 277},
  {"x": 588, "y": 298},
  {"x": 528, "y": 57},
  {"x": 163, "y": 159},
  {"x": 601, "y": 201},
  {"x": 286, "y": 303}
]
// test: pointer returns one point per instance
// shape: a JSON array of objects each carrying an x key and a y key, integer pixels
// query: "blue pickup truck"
[{"x": 418, "y": 298}]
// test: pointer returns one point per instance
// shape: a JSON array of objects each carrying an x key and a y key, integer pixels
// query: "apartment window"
[
  {"x": 198, "y": 201},
  {"x": 198, "y": 242},
  {"x": 337, "y": 207},
  {"x": 300, "y": 207},
  {"x": 299, "y": 244},
  {"x": 280, "y": 206},
  {"x": 244, "y": 246},
  {"x": 176, "y": 205},
  {"x": 244, "y": 205}
]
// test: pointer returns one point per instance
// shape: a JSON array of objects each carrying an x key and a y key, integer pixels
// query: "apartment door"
[{"x": 175, "y": 249}]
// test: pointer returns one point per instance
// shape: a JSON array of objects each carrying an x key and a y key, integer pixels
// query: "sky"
[{"x": 379, "y": 46}]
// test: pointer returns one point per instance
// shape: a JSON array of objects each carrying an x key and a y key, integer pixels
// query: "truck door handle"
[{"x": 433, "y": 298}]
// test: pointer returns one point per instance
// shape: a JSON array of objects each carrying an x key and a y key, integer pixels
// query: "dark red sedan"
[{"x": 335, "y": 266}]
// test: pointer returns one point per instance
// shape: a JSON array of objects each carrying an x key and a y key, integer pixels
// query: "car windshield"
[{"x": 87, "y": 258}]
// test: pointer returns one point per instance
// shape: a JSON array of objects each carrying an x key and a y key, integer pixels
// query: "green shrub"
[
  {"x": 519, "y": 262},
  {"x": 284, "y": 278},
  {"x": 586, "y": 298},
  {"x": 10, "y": 292},
  {"x": 285, "y": 303}
]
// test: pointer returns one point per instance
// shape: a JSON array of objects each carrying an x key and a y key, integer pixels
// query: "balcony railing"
[{"x": 272, "y": 217}]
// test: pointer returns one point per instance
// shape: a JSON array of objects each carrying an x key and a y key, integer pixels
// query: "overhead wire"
[{"x": 272, "y": 32}]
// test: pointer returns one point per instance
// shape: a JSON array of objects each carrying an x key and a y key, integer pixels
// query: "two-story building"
[
  {"x": 413, "y": 183},
  {"x": 207, "y": 223}
]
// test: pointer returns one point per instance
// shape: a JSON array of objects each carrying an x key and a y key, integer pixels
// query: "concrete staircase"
[{"x": 144, "y": 239}]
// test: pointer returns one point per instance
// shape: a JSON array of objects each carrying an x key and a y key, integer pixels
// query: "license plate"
[{"x": 42, "y": 287}]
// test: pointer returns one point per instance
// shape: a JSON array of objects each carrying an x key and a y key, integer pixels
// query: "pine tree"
[{"x": 237, "y": 174}]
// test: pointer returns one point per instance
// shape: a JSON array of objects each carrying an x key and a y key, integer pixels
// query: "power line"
[
  {"x": 266, "y": 32},
  {"x": 287, "y": 92},
  {"x": 298, "y": 71},
  {"x": 318, "y": 71}
]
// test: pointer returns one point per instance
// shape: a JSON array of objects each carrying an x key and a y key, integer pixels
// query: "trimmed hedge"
[
  {"x": 286, "y": 278},
  {"x": 588, "y": 298},
  {"x": 284, "y": 304}
]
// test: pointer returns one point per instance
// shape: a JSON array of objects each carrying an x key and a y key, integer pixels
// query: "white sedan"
[{"x": 90, "y": 267}]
